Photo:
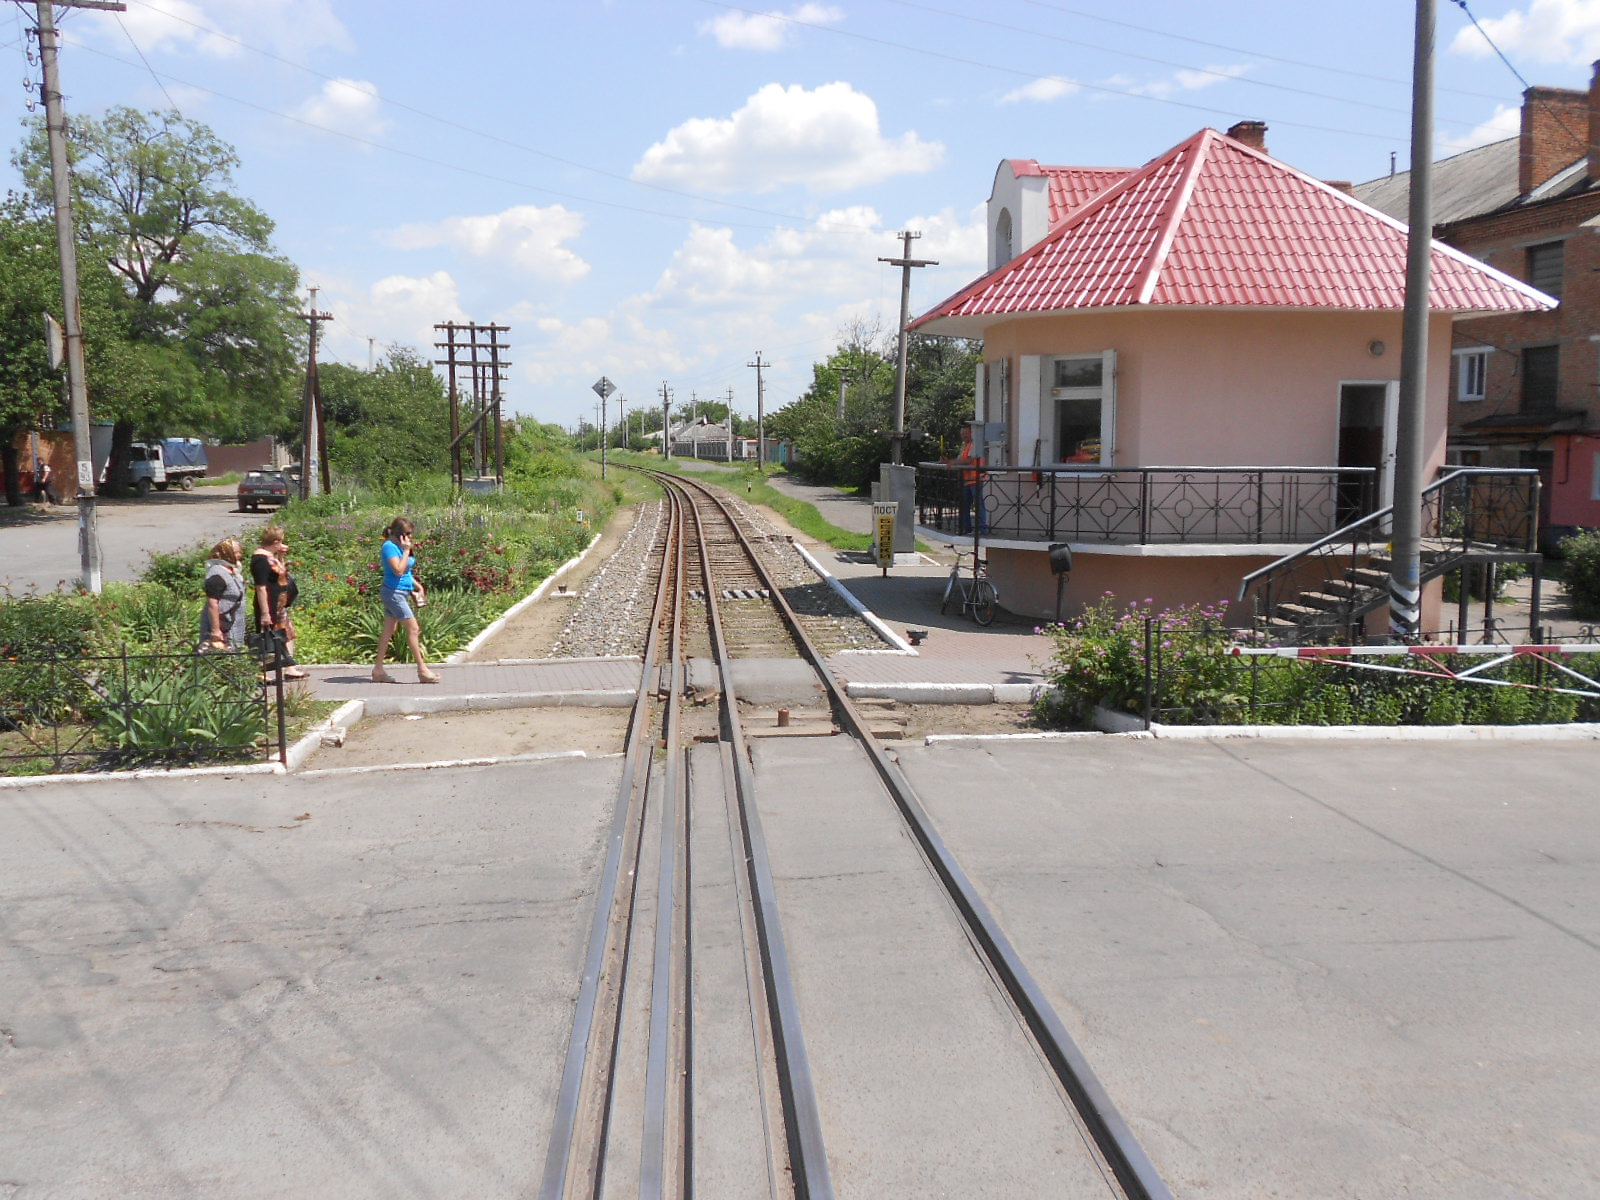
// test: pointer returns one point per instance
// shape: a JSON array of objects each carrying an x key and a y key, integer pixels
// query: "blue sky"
[{"x": 657, "y": 191}]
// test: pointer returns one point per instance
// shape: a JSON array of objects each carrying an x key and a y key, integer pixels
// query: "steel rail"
[
  {"x": 1116, "y": 1141},
  {"x": 808, "y": 1156},
  {"x": 661, "y": 1065},
  {"x": 627, "y": 816}
]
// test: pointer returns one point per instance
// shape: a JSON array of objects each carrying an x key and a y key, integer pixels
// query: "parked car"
[{"x": 263, "y": 486}]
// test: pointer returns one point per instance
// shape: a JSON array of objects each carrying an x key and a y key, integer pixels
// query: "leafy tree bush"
[{"x": 1581, "y": 572}]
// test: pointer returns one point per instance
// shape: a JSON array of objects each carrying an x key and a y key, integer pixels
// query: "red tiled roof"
[
  {"x": 1213, "y": 223},
  {"x": 1069, "y": 187}
]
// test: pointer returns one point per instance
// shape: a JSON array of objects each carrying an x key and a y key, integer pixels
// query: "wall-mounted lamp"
[{"x": 1376, "y": 348}]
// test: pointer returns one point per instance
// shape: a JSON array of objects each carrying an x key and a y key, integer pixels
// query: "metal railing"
[
  {"x": 125, "y": 711},
  {"x": 1200, "y": 676},
  {"x": 1139, "y": 505},
  {"x": 1470, "y": 514}
]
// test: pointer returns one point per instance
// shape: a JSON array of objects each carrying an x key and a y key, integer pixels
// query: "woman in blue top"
[{"x": 400, "y": 585}]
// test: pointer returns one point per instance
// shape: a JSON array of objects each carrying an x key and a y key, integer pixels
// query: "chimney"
[
  {"x": 1555, "y": 132},
  {"x": 1341, "y": 185},
  {"x": 1594, "y": 125},
  {"x": 1251, "y": 133}
]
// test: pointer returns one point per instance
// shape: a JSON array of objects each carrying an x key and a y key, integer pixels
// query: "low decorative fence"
[
  {"x": 125, "y": 711},
  {"x": 1148, "y": 505},
  {"x": 1203, "y": 675}
]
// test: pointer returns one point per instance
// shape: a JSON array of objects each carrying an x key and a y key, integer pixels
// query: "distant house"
[
  {"x": 1523, "y": 392},
  {"x": 1190, "y": 369},
  {"x": 703, "y": 438}
]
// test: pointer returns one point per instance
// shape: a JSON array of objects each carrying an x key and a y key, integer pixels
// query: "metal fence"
[
  {"x": 124, "y": 711},
  {"x": 1203, "y": 676},
  {"x": 1140, "y": 505}
]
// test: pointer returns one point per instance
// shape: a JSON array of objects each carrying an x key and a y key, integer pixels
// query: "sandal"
[
  {"x": 426, "y": 676},
  {"x": 382, "y": 676},
  {"x": 295, "y": 673}
]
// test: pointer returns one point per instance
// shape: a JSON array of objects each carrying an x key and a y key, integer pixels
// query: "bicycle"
[{"x": 978, "y": 595}]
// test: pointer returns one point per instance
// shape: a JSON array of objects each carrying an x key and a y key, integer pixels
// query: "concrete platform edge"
[
  {"x": 538, "y": 593},
  {"x": 866, "y": 614}
]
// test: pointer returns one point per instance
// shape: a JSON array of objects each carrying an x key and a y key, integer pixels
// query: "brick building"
[{"x": 1525, "y": 387}]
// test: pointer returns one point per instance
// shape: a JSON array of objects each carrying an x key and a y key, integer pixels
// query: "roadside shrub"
[
  {"x": 151, "y": 617},
  {"x": 1581, "y": 576},
  {"x": 1098, "y": 660},
  {"x": 181, "y": 571},
  {"x": 202, "y": 706}
]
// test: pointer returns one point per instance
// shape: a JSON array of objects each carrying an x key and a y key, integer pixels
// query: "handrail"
[{"x": 1339, "y": 535}]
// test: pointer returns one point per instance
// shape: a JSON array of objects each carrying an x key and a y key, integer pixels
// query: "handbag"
[{"x": 269, "y": 647}]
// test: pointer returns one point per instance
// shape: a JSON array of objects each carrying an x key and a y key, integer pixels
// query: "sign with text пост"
[{"x": 883, "y": 517}]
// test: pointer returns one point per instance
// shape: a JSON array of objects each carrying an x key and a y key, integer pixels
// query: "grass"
[
  {"x": 746, "y": 479},
  {"x": 231, "y": 479}
]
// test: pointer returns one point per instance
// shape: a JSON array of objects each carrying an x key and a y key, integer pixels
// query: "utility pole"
[
  {"x": 372, "y": 346},
  {"x": 1405, "y": 571},
  {"x": 55, "y": 123},
  {"x": 666, "y": 420},
  {"x": 761, "y": 412},
  {"x": 603, "y": 388},
  {"x": 313, "y": 439},
  {"x": 844, "y": 379},
  {"x": 897, "y": 439}
]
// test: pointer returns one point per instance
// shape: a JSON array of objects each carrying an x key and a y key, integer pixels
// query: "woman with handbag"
[{"x": 269, "y": 575}]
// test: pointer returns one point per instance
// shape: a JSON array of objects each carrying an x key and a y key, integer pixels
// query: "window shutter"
[
  {"x": 1031, "y": 450},
  {"x": 1108, "y": 407}
]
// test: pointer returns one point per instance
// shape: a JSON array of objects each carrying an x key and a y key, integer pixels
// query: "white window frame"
[
  {"x": 1465, "y": 360},
  {"x": 1106, "y": 393}
]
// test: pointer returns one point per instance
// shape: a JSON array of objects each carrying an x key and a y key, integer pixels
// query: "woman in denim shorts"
[{"x": 402, "y": 594}]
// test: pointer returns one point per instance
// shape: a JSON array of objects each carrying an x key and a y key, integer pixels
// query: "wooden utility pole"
[
  {"x": 55, "y": 123},
  {"x": 844, "y": 380},
  {"x": 314, "y": 477},
  {"x": 897, "y": 438},
  {"x": 486, "y": 373},
  {"x": 761, "y": 411}
]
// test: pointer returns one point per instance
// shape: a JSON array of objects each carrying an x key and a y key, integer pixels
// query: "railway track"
[{"x": 688, "y": 1070}]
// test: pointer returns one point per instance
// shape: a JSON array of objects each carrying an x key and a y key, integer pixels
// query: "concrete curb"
[
  {"x": 452, "y": 762},
  {"x": 538, "y": 593},
  {"x": 392, "y": 706},
  {"x": 900, "y": 645},
  {"x": 26, "y": 781},
  {"x": 1115, "y": 722},
  {"x": 346, "y": 715},
  {"x": 945, "y": 693}
]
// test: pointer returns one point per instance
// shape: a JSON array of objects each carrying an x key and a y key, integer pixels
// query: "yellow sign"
[{"x": 883, "y": 519}]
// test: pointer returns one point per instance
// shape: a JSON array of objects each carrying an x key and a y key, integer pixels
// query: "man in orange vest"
[{"x": 971, "y": 464}]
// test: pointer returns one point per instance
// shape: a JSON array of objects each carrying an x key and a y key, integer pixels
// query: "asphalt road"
[
  {"x": 1310, "y": 969},
  {"x": 42, "y": 555}
]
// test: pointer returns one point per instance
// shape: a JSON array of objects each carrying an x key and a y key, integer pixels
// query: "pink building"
[{"x": 1190, "y": 371}]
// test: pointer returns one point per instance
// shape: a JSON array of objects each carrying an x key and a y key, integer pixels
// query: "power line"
[
  {"x": 146, "y": 62},
  {"x": 1017, "y": 72},
  {"x": 485, "y": 134},
  {"x": 853, "y": 230},
  {"x": 1556, "y": 114},
  {"x": 1165, "y": 62},
  {"x": 1291, "y": 62}
]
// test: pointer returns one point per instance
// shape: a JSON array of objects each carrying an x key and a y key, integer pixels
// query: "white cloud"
[
  {"x": 290, "y": 27},
  {"x": 1188, "y": 81},
  {"x": 527, "y": 236},
  {"x": 397, "y": 308},
  {"x": 1550, "y": 31},
  {"x": 1506, "y": 123},
  {"x": 1041, "y": 90},
  {"x": 771, "y": 30},
  {"x": 348, "y": 106},
  {"x": 827, "y": 139}
]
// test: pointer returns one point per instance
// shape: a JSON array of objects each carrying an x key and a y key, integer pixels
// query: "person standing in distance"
[{"x": 400, "y": 587}]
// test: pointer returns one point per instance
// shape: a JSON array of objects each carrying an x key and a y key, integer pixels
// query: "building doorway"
[{"x": 1366, "y": 439}]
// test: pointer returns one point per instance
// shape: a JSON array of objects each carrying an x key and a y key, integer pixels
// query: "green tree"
[
  {"x": 212, "y": 307},
  {"x": 941, "y": 386},
  {"x": 32, "y": 394},
  {"x": 387, "y": 425}
]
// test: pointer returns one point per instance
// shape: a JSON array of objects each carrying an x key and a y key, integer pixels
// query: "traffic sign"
[{"x": 604, "y": 387}]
